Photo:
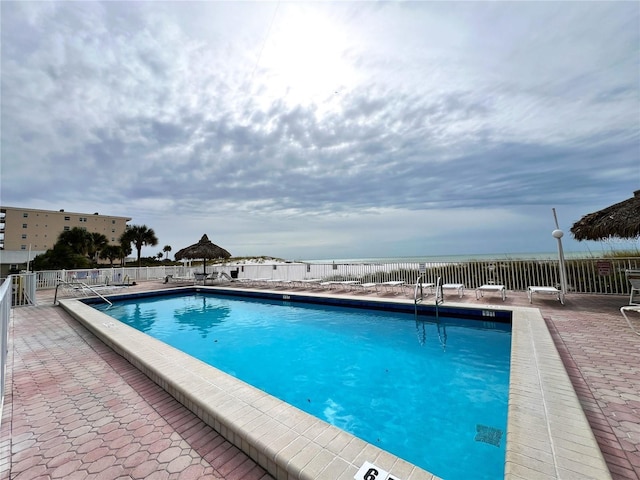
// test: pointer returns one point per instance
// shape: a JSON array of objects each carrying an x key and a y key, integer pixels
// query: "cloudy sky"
[{"x": 325, "y": 130}]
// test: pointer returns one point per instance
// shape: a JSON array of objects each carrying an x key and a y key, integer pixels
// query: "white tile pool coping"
[{"x": 548, "y": 435}]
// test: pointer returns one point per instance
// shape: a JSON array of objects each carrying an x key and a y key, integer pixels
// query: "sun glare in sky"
[{"x": 303, "y": 59}]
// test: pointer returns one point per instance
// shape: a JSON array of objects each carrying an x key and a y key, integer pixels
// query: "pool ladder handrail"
[
  {"x": 83, "y": 285},
  {"x": 439, "y": 297},
  {"x": 415, "y": 291}
]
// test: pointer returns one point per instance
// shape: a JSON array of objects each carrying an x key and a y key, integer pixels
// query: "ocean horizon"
[{"x": 459, "y": 258}]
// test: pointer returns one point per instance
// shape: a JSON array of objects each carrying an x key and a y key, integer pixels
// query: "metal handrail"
[
  {"x": 439, "y": 296},
  {"x": 415, "y": 292},
  {"x": 83, "y": 285}
]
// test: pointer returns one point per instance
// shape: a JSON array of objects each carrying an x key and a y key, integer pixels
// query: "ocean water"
[{"x": 459, "y": 258}]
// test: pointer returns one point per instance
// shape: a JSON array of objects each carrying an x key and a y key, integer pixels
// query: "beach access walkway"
[{"x": 74, "y": 409}]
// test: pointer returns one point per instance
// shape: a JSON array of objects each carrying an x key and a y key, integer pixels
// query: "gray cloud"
[{"x": 419, "y": 109}]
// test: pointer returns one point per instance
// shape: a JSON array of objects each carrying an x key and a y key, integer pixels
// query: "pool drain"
[{"x": 489, "y": 435}]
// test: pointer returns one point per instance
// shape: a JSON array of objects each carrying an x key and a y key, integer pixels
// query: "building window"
[
  {"x": 24, "y": 235},
  {"x": 24, "y": 225},
  {"x": 23, "y": 247},
  {"x": 113, "y": 222},
  {"x": 66, "y": 219},
  {"x": 66, "y": 229},
  {"x": 83, "y": 219},
  {"x": 25, "y": 215}
]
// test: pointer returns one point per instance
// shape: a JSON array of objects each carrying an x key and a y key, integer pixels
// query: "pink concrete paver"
[
  {"x": 76, "y": 409},
  {"x": 602, "y": 357},
  {"x": 61, "y": 376}
]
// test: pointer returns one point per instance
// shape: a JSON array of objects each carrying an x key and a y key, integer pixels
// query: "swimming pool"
[
  {"x": 547, "y": 433},
  {"x": 433, "y": 393}
]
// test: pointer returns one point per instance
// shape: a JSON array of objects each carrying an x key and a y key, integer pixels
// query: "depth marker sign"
[{"x": 368, "y": 471}]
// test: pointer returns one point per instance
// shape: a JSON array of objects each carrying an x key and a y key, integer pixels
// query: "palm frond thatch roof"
[
  {"x": 204, "y": 249},
  {"x": 620, "y": 220}
]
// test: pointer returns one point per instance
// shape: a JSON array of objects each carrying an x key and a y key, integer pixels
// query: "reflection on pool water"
[{"x": 432, "y": 392}]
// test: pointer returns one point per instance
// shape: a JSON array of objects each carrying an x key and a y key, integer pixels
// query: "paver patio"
[{"x": 76, "y": 409}]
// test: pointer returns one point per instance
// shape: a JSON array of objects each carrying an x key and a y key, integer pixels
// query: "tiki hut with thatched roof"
[
  {"x": 204, "y": 249},
  {"x": 621, "y": 220}
]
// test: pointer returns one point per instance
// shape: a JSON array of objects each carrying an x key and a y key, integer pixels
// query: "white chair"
[
  {"x": 425, "y": 288},
  {"x": 459, "y": 287},
  {"x": 491, "y": 288},
  {"x": 178, "y": 279},
  {"x": 392, "y": 286},
  {"x": 368, "y": 286},
  {"x": 634, "y": 279},
  {"x": 630, "y": 308},
  {"x": 309, "y": 282},
  {"x": 200, "y": 277},
  {"x": 548, "y": 290}
]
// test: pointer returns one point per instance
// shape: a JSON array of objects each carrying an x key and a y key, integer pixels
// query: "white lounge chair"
[
  {"x": 393, "y": 286},
  {"x": 178, "y": 279},
  {"x": 491, "y": 288},
  {"x": 279, "y": 282},
  {"x": 309, "y": 282},
  {"x": 548, "y": 290},
  {"x": 347, "y": 284},
  {"x": 420, "y": 289},
  {"x": 630, "y": 308},
  {"x": 259, "y": 282},
  {"x": 459, "y": 287},
  {"x": 368, "y": 286},
  {"x": 81, "y": 288},
  {"x": 634, "y": 279},
  {"x": 199, "y": 277}
]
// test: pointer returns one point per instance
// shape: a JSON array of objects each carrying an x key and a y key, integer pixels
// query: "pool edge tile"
[{"x": 535, "y": 400}]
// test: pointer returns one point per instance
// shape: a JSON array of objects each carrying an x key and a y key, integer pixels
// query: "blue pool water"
[{"x": 433, "y": 393}]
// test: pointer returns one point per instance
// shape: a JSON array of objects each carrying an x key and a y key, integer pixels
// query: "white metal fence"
[
  {"x": 5, "y": 315},
  {"x": 23, "y": 289},
  {"x": 589, "y": 275},
  {"x": 601, "y": 276}
]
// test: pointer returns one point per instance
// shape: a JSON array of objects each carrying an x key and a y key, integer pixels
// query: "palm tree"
[
  {"x": 166, "y": 250},
  {"x": 140, "y": 236},
  {"x": 78, "y": 239},
  {"x": 111, "y": 253},
  {"x": 96, "y": 243},
  {"x": 125, "y": 249},
  {"x": 60, "y": 256}
]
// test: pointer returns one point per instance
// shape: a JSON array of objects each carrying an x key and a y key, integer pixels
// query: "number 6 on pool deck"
[{"x": 368, "y": 471}]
